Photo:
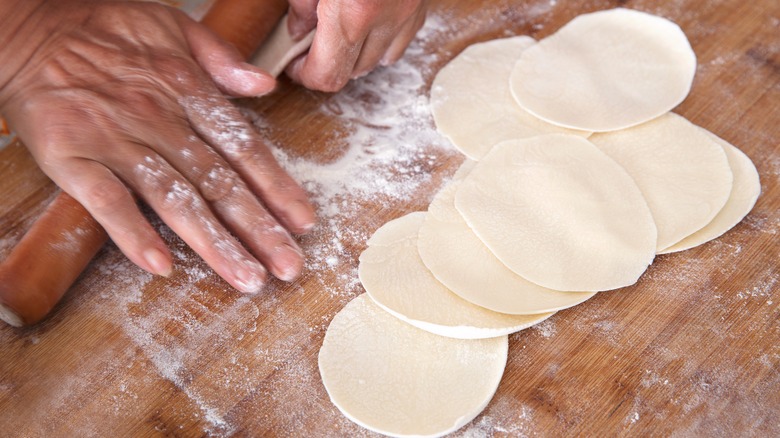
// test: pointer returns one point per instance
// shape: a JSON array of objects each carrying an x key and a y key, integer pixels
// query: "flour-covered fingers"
[
  {"x": 234, "y": 204},
  {"x": 180, "y": 205},
  {"x": 110, "y": 202},
  {"x": 223, "y": 127}
]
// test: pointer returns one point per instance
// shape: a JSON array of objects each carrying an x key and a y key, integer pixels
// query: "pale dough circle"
[
  {"x": 472, "y": 104},
  {"x": 605, "y": 71},
  {"x": 398, "y": 380},
  {"x": 682, "y": 172},
  {"x": 743, "y": 196},
  {"x": 396, "y": 279},
  {"x": 560, "y": 213},
  {"x": 279, "y": 49},
  {"x": 460, "y": 261}
]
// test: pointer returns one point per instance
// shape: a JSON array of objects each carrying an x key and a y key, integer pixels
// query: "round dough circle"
[
  {"x": 460, "y": 261},
  {"x": 560, "y": 213},
  {"x": 398, "y": 380},
  {"x": 472, "y": 104},
  {"x": 396, "y": 279},
  {"x": 605, "y": 71},
  {"x": 744, "y": 194},
  {"x": 682, "y": 172}
]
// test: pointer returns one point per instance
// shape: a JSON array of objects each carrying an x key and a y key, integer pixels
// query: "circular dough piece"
[
  {"x": 460, "y": 261},
  {"x": 742, "y": 198},
  {"x": 560, "y": 213},
  {"x": 396, "y": 279},
  {"x": 682, "y": 172},
  {"x": 606, "y": 71},
  {"x": 398, "y": 380},
  {"x": 472, "y": 104}
]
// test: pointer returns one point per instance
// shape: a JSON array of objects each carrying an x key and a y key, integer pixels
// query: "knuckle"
[
  {"x": 107, "y": 197},
  {"x": 218, "y": 183}
]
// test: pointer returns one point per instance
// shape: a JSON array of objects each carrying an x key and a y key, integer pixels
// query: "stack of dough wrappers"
[{"x": 577, "y": 175}]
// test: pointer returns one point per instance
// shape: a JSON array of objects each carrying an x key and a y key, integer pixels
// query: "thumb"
[
  {"x": 224, "y": 63},
  {"x": 302, "y": 17}
]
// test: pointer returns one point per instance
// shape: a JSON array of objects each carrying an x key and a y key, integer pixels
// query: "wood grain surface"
[{"x": 692, "y": 350}]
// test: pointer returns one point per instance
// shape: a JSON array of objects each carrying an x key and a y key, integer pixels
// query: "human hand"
[
  {"x": 352, "y": 37},
  {"x": 117, "y": 100}
]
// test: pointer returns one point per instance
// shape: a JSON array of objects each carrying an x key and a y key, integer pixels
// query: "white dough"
[
  {"x": 682, "y": 172},
  {"x": 742, "y": 198},
  {"x": 398, "y": 380},
  {"x": 395, "y": 277},
  {"x": 279, "y": 49},
  {"x": 605, "y": 71},
  {"x": 460, "y": 261},
  {"x": 472, "y": 104},
  {"x": 560, "y": 213}
]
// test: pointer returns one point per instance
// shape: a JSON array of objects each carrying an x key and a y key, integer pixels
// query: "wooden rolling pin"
[{"x": 62, "y": 242}]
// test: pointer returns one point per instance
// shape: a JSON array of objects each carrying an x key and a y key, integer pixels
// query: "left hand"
[{"x": 352, "y": 37}]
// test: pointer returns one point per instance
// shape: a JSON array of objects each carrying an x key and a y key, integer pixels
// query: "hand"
[
  {"x": 119, "y": 100},
  {"x": 352, "y": 37}
]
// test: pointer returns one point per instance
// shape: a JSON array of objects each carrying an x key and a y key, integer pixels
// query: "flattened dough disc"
[
  {"x": 682, "y": 172},
  {"x": 396, "y": 379},
  {"x": 606, "y": 71},
  {"x": 472, "y": 104},
  {"x": 744, "y": 194},
  {"x": 279, "y": 49},
  {"x": 560, "y": 213},
  {"x": 395, "y": 277},
  {"x": 458, "y": 259}
]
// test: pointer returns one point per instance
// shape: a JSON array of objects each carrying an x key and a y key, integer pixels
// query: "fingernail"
[
  {"x": 158, "y": 262},
  {"x": 301, "y": 214},
  {"x": 289, "y": 267},
  {"x": 247, "y": 281}
]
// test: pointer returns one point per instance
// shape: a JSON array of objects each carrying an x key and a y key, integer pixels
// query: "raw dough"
[
  {"x": 472, "y": 104},
  {"x": 744, "y": 194},
  {"x": 279, "y": 49},
  {"x": 605, "y": 71},
  {"x": 397, "y": 280},
  {"x": 682, "y": 172},
  {"x": 560, "y": 213},
  {"x": 460, "y": 261},
  {"x": 398, "y": 380}
]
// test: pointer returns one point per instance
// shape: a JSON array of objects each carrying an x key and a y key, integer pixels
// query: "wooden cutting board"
[{"x": 692, "y": 349}]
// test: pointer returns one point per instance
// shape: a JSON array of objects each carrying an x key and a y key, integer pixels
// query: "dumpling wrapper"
[
  {"x": 472, "y": 104},
  {"x": 744, "y": 194},
  {"x": 605, "y": 71},
  {"x": 560, "y": 213},
  {"x": 396, "y": 279},
  {"x": 460, "y": 261},
  {"x": 682, "y": 172},
  {"x": 398, "y": 380}
]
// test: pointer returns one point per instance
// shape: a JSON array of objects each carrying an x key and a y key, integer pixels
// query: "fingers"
[
  {"x": 180, "y": 205},
  {"x": 302, "y": 17},
  {"x": 224, "y": 63},
  {"x": 108, "y": 200},
  {"x": 351, "y": 40},
  {"x": 221, "y": 125},
  {"x": 236, "y": 206}
]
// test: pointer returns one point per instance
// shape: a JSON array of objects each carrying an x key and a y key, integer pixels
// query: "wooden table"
[{"x": 692, "y": 349}]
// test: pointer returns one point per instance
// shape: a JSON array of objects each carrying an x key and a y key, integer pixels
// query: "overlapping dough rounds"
[
  {"x": 560, "y": 213},
  {"x": 682, "y": 172},
  {"x": 396, "y": 379},
  {"x": 605, "y": 71},
  {"x": 471, "y": 102},
  {"x": 395, "y": 277},
  {"x": 743, "y": 196},
  {"x": 460, "y": 261}
]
